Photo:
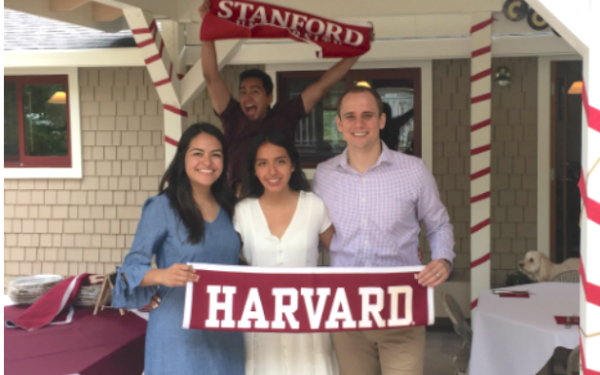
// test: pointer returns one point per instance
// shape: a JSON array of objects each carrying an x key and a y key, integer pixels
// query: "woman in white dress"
[{"x": 281, "y": 223}]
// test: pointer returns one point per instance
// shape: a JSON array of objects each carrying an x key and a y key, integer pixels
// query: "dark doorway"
[{"x": 566, "y": 161}]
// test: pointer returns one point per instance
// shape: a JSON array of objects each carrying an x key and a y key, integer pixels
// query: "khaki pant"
[{"x": 388, "y": 352}]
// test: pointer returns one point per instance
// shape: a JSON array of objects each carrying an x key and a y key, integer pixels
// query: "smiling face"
[
  {"x": 359, "y": 121},
  {"x": 254, "y": 99},
  {"x": 204, "y": 160},
  {"x": 273, "y": 167}
]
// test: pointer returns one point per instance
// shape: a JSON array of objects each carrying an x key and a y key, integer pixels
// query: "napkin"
[
  {"x": 514, "y": 294},
  {"x": 562, "y": 320},
  {"x": 46, "y": 309}
]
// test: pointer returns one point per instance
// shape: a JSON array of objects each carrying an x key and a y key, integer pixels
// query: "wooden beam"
[
  {"x": 289, "y": 52},
  {"x": 105, "y": 13},
  {"x": 65, "y": 5},
  {"x": 158, "y": 8},
  {"x": 82, "y": 58},
  {"x": 193, "y": 83},
  {"x": 352, "y": 9}
]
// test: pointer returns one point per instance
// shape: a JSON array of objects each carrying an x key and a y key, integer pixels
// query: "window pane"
[
  {"x": 11, "y": 123},
  {"x": 45, "y": 112},
  {"x": 318, "y": 132}
]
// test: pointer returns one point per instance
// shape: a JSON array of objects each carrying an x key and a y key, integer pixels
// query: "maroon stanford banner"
[
  {"x": 250, "y": 19},
  {"x": 259, "y": 299}
]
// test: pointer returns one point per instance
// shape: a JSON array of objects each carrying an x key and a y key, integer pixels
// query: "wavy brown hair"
[
  {"x": 251, "y": 185},
  {"x": 176, "y": 184}
]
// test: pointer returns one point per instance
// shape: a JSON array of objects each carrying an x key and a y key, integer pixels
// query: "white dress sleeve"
[
  {"x": 237, "y": 220},
  {"x": 322, "y": 214}
]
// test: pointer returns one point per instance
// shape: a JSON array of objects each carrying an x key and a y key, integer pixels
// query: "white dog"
[{"x": 538, "y": 267}]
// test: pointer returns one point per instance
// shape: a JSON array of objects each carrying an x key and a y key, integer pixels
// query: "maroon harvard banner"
[
  {"x": 258, "y": 299},
  {"x": 251, "y": 19}
]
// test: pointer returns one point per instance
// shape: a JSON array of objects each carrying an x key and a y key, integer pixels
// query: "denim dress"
[{"x": 170, "y": 349}]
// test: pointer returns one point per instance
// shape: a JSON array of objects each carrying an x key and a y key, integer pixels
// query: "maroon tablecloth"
[{"x": 107, "y": 343}]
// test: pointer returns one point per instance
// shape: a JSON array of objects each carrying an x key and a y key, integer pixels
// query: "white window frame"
[
  {"x": 544, "y": 127},
  {"x": 75, "y": 171}
]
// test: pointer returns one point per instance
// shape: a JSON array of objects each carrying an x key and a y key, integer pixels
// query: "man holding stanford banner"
[
  {"x": 242, "y": 120},
  {"x": 376, "y": 199}
]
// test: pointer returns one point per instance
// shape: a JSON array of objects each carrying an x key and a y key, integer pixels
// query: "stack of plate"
[
  {"x": 87, "y": 295},
  {"x": 26, "y": 290}
]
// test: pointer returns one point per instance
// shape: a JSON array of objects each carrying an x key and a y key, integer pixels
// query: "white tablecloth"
[{"x": 517, "y": 336}]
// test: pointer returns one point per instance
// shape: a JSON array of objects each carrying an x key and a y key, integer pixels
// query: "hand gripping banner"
[
  {"x": 251, "y": 19},
  {"x": 258, "y": 299}
]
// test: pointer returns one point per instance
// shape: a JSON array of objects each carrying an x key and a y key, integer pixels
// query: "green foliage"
[
  {"x": 45, "y": 123},
  {"x": 517, "y": 278}
]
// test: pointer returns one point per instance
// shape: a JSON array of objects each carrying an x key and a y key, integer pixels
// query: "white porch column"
[
  {"x": 481, "y": 64},
  {"x": 578, "y": 21},
  {"x": 590, "y": 226},
  {"x": 163, "y": 74}
]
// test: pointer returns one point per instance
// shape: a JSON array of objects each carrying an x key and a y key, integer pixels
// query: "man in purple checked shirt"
[{"x": 376, "y": 199}]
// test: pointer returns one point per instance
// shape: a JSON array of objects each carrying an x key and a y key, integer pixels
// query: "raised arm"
[
  {"x": 217, "y": 89},
  {"x": 313, "y": 93}
]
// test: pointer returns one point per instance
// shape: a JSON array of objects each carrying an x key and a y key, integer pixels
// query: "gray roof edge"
[{"x": 26, "y": 32}]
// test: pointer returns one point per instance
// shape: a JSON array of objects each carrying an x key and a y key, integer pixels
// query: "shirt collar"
[{"x": 385, "y": 158}]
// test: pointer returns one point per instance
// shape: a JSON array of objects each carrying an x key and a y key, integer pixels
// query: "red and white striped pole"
[
  {"x": 590, "y": 227},
  {"x": 165, "y": 77},
  {"x": 481, "y": 66}
]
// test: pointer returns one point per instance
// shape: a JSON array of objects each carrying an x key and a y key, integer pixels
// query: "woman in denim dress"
[{"x": 189, "y": 221}]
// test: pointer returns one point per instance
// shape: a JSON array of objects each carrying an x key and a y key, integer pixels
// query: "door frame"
[{"x": 545, "y": 178}]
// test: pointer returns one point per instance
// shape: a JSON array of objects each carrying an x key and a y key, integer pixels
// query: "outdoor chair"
[
  {"x": 573, "y": 362},
  {"x": 567, "y": 277},
  {"x": 462, "y": 329}
]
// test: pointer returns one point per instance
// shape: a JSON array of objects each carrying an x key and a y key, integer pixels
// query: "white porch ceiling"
[
  {"x": 408, "y": 29},
  {"x": 409, "y": 16}
]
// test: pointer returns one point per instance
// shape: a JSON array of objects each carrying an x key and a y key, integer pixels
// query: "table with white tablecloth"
[{"x": 517, "y": 336}]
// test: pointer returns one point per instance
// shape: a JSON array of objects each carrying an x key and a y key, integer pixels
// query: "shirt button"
[
  {"x": 366, "y": 242},
  {"x": 363, "y": 179},
  {"x": 363, "y": 200},
  {"x": 364, "y": 221},
  {"x": 367, "y": 264}
]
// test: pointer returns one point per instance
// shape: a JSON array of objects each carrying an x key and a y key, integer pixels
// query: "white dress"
[{"x": 285, "y": 353}]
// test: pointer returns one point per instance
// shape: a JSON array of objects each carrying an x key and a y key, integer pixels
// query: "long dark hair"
[
  {"x": 179, "y": 190},
  {"x": 251, "y": 186}
]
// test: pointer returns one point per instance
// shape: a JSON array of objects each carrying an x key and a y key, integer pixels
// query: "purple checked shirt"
[{"x": 376, "y": 215}]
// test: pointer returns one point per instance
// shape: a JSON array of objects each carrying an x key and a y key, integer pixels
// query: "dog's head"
[{"x": 531, "y": 264}]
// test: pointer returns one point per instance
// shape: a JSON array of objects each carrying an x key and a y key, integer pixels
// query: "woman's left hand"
[
  {"x": 154, "y": 303},
  {"x": 435, "y": 273}
]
